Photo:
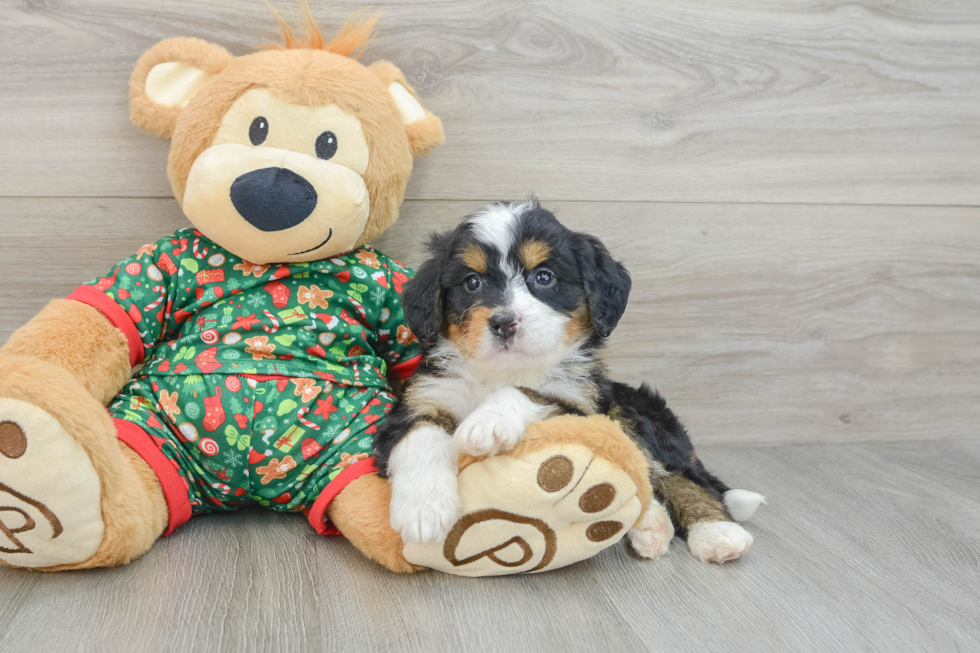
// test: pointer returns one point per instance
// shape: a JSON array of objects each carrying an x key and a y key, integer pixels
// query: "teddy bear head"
[{"x": 290, "y": 154}]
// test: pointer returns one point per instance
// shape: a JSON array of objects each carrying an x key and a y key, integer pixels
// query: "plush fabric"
[
  {"x": 133, "y": 510},
  {"x": 288, "y": 160},
  {"x": 572, "y": 487}
]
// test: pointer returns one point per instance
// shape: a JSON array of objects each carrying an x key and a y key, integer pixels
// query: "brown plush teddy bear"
[{"x": 266, "y": 339}]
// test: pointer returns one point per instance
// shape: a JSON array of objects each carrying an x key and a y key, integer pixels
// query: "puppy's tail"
[{"x": 742, "y": 504}]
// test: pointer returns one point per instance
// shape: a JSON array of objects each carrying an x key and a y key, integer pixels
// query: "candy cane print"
[
  {"x": 152, "y": 305},
  {"x": 305, "y": 422},
  {"x": 313, "y": 317},
  {"x": 275, "y": 322},
  {"x": 194, "y": 249}
]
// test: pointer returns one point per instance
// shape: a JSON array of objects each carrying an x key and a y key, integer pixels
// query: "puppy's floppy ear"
[
  {"x": 422, "y": 300},
  {"x": 167, "y": 76},
  {"x": 607, "y": 283},
  {"x": 424, "y": 130}
]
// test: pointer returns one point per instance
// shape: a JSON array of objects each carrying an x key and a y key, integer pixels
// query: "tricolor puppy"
[{"x": 512, "y": 309}]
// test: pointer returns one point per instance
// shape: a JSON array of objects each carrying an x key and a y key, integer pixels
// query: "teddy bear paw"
[
  {"x": 50, "y": 494},
  {"x": 533, "y": 512}
]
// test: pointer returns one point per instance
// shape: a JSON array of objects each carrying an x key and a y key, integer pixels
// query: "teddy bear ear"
[
  {"x": 167, "y": 76},
  {"x": 424, "y": 130}
]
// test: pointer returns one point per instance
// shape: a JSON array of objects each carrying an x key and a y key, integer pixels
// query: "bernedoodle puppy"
[{"x": 512, "y": 309}]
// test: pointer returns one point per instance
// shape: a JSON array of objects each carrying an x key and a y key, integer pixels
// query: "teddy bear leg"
[
  {"x": 72, "y": 495},
  {"x": 361, "y": 513}
]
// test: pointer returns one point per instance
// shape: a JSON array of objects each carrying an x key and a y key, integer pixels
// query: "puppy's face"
[{"x": 514, "y": 288}]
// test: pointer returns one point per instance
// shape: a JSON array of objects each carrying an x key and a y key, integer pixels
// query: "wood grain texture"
[
  {"x": 759, "y": 323},
  {"x": 675, "y": 100},
  {"x": 868, "y": 547}
]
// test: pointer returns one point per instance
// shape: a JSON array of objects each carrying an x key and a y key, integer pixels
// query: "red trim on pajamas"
[
  {"x": 174, "y": 488},
  {"x": 405, "y": 369},
  {"x": 318, "y": 513},
  {"x": 115, "y": 314}
]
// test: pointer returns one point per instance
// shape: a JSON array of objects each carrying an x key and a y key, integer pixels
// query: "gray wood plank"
[
  {"x": 748, "y": 101},
  {"x": 862, "y": 547},
  {"x": 759, "y": 323}
]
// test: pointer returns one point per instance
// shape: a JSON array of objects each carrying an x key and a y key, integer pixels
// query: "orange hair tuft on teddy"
[{"x": 354, "y": 37}]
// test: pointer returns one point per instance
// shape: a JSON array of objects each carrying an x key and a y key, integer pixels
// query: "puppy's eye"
[
  {"x": 258, "y": 131},
  {"x": 544, "y": 278},
  {"x": 326, "y": 145},
  {"x": 473, "y": 282}
]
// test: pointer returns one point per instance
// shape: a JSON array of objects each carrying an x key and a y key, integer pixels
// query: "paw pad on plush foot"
[
  {"x": 533, "y": 512},
  {"x": 50, "y": 494}
]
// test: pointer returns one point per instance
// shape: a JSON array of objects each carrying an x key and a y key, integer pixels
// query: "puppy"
[{"x": 512, "y": 309}]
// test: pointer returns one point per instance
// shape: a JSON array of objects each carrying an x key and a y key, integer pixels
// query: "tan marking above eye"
[
  {"x": 474, "y": 258},
  {"x": 534, "y": 252},
  {"x": 13, "y": 442}
]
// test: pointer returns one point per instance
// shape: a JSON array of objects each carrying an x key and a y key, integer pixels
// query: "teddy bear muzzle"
[{"x": 273, "y": 199}]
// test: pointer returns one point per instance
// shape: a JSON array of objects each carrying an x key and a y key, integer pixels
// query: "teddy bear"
[{"x": 249, "y": 358}]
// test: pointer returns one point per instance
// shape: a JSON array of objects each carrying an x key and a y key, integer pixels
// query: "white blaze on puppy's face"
[{"x": 540, "y": 329}]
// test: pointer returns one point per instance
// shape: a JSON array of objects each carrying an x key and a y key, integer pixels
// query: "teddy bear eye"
[
  {"x": 326, "y": 145},
  {"x": 259, "y": 131}
]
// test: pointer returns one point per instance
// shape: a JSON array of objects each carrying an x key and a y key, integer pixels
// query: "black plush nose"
[
  {"x": 504, "y": 325},
  {"x": 273, "y": 199}
]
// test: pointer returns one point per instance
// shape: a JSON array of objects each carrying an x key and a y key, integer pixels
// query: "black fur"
[
  {"x": 586, "y": 276},
  {"x": 607, "y": 283},
  {"x": 661, "y": 434}
]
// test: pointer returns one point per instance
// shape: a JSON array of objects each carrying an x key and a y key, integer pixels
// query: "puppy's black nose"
[
  {"x": 273, "y": 199},
  {"x": 503, "y": 325}
]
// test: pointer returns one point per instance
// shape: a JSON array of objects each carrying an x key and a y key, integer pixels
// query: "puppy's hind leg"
[
  {"x": 702, "y": 519},
  {"x": 651, "y": 536},
  {"x": 741, "y": 504}
]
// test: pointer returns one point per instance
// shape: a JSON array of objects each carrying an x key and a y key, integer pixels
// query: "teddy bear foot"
[
  {"x": 551, "y": 502},
  {"x": 50, "y": 493}
]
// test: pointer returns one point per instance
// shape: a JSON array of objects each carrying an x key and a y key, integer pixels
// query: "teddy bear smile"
[{"x": 307, "y": 251}]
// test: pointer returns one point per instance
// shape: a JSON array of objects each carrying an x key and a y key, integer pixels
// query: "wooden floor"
[
  {"x": 795, "y": 187},
  {"x": 862, "y": 547}
]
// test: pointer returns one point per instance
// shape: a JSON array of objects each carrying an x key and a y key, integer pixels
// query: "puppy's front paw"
[
  {"x": 424, "y": 509},
  {"x": 488, "y": 431}
]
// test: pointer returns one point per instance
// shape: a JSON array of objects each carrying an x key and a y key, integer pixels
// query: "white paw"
[
  {"x": 651, "y": 537},
  {"x": 424, "y": 509},
  {"x": 718, "y": 541},
  {"x": 742, "y": 504},
  {"x": 488, "y": 431}
]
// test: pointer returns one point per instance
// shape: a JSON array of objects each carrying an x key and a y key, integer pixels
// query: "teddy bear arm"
[{"x": 79, "y": 339}]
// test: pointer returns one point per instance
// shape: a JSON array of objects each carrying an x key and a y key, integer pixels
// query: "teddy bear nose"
[{"x": 273, "y": 199}]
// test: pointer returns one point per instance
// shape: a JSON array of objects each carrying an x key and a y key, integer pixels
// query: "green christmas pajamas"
[{"x": 260, "y": 384}]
